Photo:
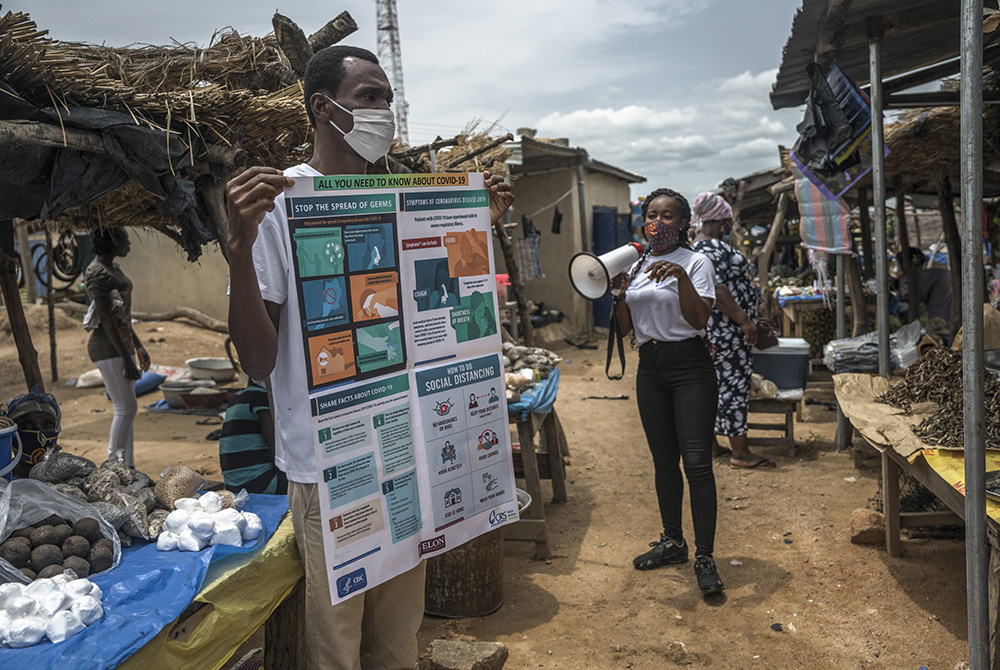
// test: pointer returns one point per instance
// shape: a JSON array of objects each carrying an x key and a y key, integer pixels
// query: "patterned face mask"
[{"x": 662, "y": 236}]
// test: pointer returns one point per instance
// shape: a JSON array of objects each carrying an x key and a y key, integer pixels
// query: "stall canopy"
[{"x": 920, "y": 44}]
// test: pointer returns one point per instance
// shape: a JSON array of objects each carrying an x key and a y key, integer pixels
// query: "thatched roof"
[{"x": 237, "y": 93}]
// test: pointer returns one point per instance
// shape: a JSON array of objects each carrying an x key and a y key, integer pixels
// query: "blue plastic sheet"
[
  {"x": 539, "y": 400},
  {"x": 147, "y": 591}
]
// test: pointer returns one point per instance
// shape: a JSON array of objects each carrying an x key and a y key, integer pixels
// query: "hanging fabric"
[
  {"x": 824, "y": 224},
  {"x": 527, "y": 256},
  {"x": 556, "y": 221}
]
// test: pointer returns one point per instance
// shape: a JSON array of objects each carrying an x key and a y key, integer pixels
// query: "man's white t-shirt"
[
  {"x": 276, "y": 275},
  {"x": 655, "y": 306}
]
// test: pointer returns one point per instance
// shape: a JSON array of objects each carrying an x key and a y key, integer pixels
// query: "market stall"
[{"x": 149, "y": 588}]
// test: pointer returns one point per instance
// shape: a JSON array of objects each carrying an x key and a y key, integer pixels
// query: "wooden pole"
[
  {"x": 334, "y": 31},
  {"x": 764, "y": 259},
  {"x": 866, "y": 234},
  {"x": 910, "y": 270},
  {"x": 859, "y": 304},
  {"x": 49, "y": 265},
  {"x": 949, "y": 225},
  {"x": 26, "y": 353}
]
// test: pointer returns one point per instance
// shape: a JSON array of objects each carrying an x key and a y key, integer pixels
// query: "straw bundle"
[{"x": 238, "y": 91}]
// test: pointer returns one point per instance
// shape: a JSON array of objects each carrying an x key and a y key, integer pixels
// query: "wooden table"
[
  {"x": 895, "y": 520},
  {"x": 786, "y": 427},
  {"x": 793, "y": 310},
  {"x": 534, "y": 463},
  {"x": 204, "y": 636}
]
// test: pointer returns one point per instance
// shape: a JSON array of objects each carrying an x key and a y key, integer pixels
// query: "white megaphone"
[{"x": 591, "y": 275}]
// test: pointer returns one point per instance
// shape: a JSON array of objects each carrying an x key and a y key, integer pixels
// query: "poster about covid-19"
[{"x": 396, "y": 289}]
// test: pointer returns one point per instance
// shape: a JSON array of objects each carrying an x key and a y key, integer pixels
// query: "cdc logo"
[
  {"x": 351, "y": 582},
  {"x": 497, "y": 518}
]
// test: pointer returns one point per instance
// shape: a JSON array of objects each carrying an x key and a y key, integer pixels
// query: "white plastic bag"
[{"x": 26, "y": 501}]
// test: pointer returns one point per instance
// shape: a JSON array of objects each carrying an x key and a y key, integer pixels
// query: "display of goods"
[
  {"x": 937, "y": 378},
  {"x": 51, "y": 546},
  {"x": 177, "y": 481},
  {"x": 56, "y": 608},
  {"x": 199, "y": 522}
]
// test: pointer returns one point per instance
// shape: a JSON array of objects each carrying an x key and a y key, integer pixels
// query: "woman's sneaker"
[
  {"x": 664, "y": 552},
  {"x": 707, "y": 574}
]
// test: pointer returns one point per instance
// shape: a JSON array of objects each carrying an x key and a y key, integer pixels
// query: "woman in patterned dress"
[{"x": 732, "y": 326}]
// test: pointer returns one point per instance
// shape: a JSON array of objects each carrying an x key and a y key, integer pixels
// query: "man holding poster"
[{"x": 347, "y": 97}]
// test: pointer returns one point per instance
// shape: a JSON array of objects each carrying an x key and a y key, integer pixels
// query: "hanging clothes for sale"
[
  {"x": 527, "y": 256},
  {"x": 824, "y": 223}
]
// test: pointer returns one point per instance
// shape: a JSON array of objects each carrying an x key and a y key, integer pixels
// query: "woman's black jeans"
[{"x": 678, "y": 395}]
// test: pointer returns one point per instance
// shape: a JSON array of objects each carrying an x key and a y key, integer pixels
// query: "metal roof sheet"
[{"x": 916, "y": 34}]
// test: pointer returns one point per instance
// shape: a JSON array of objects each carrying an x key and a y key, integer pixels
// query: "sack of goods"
[
  {"x": 56, "y": 608},
  {"x": 197, "y": 523}
]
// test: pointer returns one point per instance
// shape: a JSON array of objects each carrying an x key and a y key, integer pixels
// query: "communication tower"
[{"x": 387, "y": 23}]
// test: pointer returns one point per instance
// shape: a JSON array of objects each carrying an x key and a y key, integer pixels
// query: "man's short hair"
[{"x": 325, "y": 71}]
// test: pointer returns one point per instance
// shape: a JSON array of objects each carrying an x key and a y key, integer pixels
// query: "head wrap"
[
  {"x": 710, "y": 207},
  {"x": 36, "y": 401}
]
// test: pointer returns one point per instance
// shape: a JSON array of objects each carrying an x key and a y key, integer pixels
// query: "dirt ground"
[{"x": 782, "y": 544}]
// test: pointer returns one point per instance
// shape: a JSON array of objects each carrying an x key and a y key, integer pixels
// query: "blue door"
[{"x": 608, "y": 234}]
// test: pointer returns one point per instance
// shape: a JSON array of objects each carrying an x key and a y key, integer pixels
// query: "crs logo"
[
  {"x": 442, "y": 408},
  {"x": 351, "y": 582},
  {"x": 433, "y": 544},
  {"x": 497, "y": 518}
]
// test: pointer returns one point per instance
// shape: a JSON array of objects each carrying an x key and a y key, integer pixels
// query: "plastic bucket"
[{"x": 7, "y": 436}]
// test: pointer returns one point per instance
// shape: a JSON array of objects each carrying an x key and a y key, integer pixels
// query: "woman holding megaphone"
[{"x": 665, "y": 301}]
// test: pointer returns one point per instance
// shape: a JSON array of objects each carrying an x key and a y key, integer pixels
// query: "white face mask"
[{"x": 372, "y": 133}]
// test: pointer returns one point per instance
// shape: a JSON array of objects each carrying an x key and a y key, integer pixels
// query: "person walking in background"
[
  {"x": 732, "y": 326},
  {"x": 113, "y": 344},
  {"x": 665, "y": 300}
]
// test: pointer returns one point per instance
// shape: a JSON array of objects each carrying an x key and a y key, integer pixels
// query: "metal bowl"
[
  {"x": 172, "y": 392},
  {"x": 523, "y": 501},
  {"x": 216, "y": 369},
  {"x": 212, "y": 399}
]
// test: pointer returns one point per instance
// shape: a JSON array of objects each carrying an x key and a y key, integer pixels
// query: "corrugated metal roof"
[{"x": 916, "y": 34}]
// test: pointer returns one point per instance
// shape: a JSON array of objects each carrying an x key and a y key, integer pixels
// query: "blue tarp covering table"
[
  {"x": 539, "y": 400},
  {"x": 145, "y": 592}
]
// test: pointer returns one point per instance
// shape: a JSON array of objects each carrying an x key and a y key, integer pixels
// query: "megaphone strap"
[{"x": 615, "y": 337}]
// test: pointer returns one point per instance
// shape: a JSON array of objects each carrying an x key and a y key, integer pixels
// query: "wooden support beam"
[
  {"x": 856, "y": 292},
  {"x": 910, "y": 269},
  {"x": 481, "y": 150},
  {"x": 764, "y": 259},
  {"x": 49, "y": 265},
  {"x": 47, "y": 135},
  {"x": 292, "y": 42},
  {"x": 934, "y": 99},
  {"x": 866, "y": 233},
  {"x": 26, "y": 353},
  {"x": 946, "y": 205},
  {"x": 334, "y": 31},
  {"x": 516, "y": 283}
]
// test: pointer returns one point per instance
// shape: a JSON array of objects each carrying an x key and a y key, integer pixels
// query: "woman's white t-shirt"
[{"x": 655, "y": 306}]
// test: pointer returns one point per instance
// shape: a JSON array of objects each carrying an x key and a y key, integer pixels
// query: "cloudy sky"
[{"x": 675, "y": 90}]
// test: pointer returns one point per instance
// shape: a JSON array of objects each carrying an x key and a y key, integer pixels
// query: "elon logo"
[
  {"x": 433, "y": 544},
  {"x": 351, "y": 582}
]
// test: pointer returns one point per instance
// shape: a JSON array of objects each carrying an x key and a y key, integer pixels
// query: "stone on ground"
[{"x": 461, "y": 655}]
